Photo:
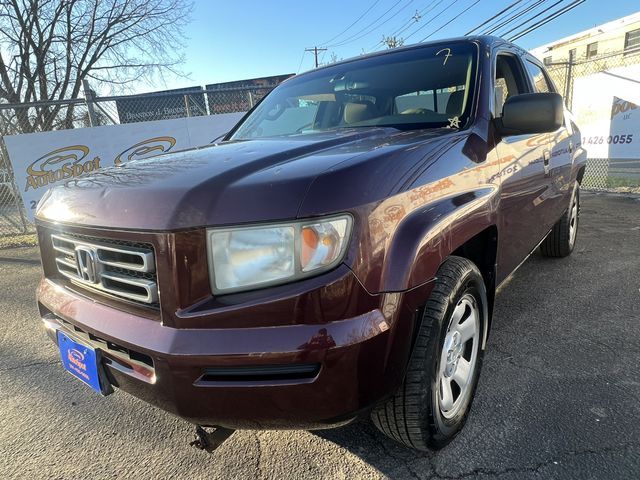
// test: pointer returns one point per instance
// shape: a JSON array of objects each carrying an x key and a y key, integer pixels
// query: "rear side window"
[{"x": 540, "y": 81}]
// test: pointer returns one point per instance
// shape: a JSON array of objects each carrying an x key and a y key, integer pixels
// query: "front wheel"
[
  {"x": 432, "y": 404},
  {"x": 562, "y": 238}
]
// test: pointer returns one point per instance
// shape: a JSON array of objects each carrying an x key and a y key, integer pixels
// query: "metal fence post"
[
  {"x": 89, "y": 97},
  {"x": 568, "y": 85},
  {"x": 187, "y": 106}
]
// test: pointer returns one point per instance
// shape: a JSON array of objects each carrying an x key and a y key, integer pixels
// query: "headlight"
[{"x": 246, "y": 258}]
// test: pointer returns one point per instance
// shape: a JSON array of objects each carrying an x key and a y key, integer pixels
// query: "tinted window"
[
  {"x": 509, "y": 80},
  {"x": 538, "y": 77},
  {"x": 408, "y": 89}
]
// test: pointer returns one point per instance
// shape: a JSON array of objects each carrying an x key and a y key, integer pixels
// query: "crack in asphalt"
[
  {"x": 535, "y": 468},
  {"x": 259, "y": 468},
  {"x": 412, "y": 472},
  {"x": 34, "y": 364},
  {"x": 509, "y": 358}
]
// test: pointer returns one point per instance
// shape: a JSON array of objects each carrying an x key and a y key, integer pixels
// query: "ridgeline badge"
[{"x": 60, "y": 164}]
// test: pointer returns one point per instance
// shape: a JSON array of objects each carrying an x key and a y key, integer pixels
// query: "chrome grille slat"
[
  {"x": 117, "y": 268},
  {"x": 150, "y": 288}
]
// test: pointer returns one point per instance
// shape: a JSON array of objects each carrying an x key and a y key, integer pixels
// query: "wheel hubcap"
[{"x": 459, "y": 356}]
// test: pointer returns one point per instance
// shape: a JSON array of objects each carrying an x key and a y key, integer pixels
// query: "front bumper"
[{"x": 313, "y": 375}]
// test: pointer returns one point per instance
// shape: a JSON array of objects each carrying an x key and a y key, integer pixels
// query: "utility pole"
[{"x": 315, "y": 51}]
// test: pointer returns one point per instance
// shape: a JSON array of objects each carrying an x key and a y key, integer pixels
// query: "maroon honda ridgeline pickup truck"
[{"x": 335, "y": 255}]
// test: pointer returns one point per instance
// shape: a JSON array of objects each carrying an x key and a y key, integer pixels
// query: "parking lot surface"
[{"x": 559, "y": 394}]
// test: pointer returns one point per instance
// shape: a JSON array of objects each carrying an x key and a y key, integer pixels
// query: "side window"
[
  {"x": 509, "y": 80},
  {"x": 540, "y": 82}
]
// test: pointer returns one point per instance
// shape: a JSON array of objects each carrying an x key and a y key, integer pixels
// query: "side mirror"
[{"x": 531, "y": 113}]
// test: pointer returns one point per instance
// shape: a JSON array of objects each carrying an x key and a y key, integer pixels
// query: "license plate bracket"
[{"x": 84, "y": 363}]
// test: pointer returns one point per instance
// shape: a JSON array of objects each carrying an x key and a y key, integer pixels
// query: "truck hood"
[{"x": 229, "y": 183}]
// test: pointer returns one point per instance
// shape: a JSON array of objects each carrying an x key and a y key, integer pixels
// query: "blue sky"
[{"x": 238, "y": 39}]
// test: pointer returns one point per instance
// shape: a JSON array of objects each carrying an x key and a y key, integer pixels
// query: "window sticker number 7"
[{"x": 446, "y": 56}]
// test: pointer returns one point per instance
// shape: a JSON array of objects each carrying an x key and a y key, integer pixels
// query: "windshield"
[{"x": 429, "y": 87}]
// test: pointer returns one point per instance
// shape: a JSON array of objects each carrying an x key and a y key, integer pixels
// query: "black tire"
[
  {"x": 561, "y": 241},
  {"x": 412, "y": 416}
]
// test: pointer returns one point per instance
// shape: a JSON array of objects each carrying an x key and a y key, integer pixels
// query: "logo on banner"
[
  {"x": 146, "y": 148},
  {"x": 621, "y": 106},
  {"x": 61, "y": 164}
]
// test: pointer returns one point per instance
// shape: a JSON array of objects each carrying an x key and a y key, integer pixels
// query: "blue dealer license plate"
[{"x": 80, "y": 361}]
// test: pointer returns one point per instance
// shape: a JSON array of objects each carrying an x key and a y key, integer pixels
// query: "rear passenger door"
[
  {"x": 524, "y": 180},
  {"x": 560, "y": 144}
]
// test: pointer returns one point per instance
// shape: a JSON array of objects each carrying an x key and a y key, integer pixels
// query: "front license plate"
[{"x": 80, "y": 361}]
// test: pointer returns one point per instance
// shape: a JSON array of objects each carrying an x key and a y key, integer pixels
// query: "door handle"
[{"x": 546, "y": 157}]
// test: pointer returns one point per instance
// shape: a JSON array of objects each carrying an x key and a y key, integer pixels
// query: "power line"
[
  {"x": 495, "y": 16},
  {"x": 431, "y": 20},
  {"x": 355, "y": 36},
  {"x": 531, "y": 18},
  {"x": 517, "y": 14},
  {"x": 546, "y": 20},
  {"x": 379, "y": 25},
  {"x": 301, "y": 60},
  {"x": 356, "y": 21},
  {"x": 454, "y": 18},
  {"x": 500, "y": 19},
  {"x": 416, "y": 18},
  {"x": 495, "y": 27}
]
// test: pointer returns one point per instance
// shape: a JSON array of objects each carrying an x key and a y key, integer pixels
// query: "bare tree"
[{"x": 48, "y": 47}]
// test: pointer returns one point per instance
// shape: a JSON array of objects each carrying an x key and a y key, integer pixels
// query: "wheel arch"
[
  {"x": 477, "y": 218},
  {"x": 461, "y": 225}
]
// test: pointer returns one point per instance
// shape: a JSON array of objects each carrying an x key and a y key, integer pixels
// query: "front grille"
[{"x": 124, "y": 270}]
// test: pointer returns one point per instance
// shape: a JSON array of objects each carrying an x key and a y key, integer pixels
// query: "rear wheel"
[
  {"x": 562, "y": 238},
  {"x": 432, "y": 404}
]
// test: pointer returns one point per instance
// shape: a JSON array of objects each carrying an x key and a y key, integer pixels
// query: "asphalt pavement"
[{"x": 559, "y": 394}]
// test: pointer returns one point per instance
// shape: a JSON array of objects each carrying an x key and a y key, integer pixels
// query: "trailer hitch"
[{"x": 210, "y": 441}]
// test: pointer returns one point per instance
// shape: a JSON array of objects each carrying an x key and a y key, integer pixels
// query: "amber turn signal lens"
[
  {"x": 308, "y": 246},
  {"x": 321, "y": 244}
]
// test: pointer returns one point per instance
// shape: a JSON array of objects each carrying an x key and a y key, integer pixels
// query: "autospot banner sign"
[
  {"x": 607, "y": 110},
  {"x": 41, "y": 160}
]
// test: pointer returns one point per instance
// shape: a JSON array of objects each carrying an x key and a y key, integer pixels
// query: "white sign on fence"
[
  {"x": 607, "y": 110},
  {"x": 43, "y": 159}
]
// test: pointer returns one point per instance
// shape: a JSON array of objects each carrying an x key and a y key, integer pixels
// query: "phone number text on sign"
[{"x": 611, "y": 139}]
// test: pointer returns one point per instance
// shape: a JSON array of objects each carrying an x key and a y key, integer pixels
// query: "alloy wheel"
[{"x": 459, "y": 357}]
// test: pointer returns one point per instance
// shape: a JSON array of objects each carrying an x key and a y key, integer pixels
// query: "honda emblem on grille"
[{"x": 87, "y": 264}]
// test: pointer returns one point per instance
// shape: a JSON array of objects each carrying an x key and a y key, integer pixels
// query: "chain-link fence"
[
  {"x": 606, "y": 173},
  {"x": 94, "y": 111},
  {"x": 594, "y": 89}
]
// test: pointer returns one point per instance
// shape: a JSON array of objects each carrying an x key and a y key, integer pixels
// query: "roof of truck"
[{"x": 484, "y": 40}]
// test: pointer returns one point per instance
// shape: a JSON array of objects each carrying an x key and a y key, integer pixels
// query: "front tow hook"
[{"x": 210, "y": 441}]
